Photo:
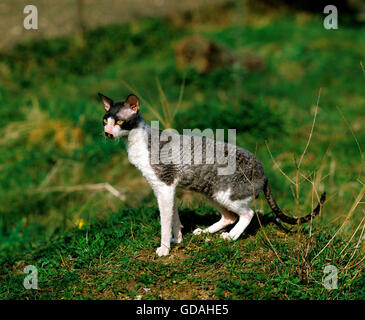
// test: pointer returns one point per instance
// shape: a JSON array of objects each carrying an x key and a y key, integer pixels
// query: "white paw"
[
  {"x": 162, "y": 251},
  {"x": 225, "y": 235},
  {"x": 235, "y": 236},
  {"x": 176, "y": 240},
  {"x": 198, "y": 231}
]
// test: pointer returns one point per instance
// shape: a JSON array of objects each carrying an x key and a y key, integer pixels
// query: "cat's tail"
[{"x": 282, "y": 216}]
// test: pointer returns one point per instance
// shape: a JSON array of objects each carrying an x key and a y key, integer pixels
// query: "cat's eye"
[
  {"x": 105, "y": 121},
  {"x": 120, "y": 122}
]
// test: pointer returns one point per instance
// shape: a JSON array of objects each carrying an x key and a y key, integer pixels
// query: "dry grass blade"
[
  {"x": 356, "y": 264},
  {"x": 51, "y": 174},
  {"x": 357, "y": 246},
  {"x": 357, "y": 142},
  {"x": 311, "y": 132},
  {"x": 62, "y": 259},
  {"x": 181, "y": 93},
  {"x": 146, "y": 103},
  {"x": 277, "y": 165},
  {"x": 358, "y": 227},
  {"x": 353, "y": 207},
  {"x": 266, "y": 237},
  {"x": 362, "y": 68},
  {"x": 85, "y": 187},
  {"x": 169, "y": 112},
  {"x": 166, "y": 109},
  {"x": 314, "y": 183}
]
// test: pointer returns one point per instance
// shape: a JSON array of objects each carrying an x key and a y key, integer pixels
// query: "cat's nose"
[{"x": 110, "y": 135}]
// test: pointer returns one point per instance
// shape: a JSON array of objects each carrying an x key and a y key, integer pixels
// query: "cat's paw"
[
  {"x": 198, "y": 231},
  {"x": 225, "y": 235},
  {"x": 235, "y": 236},
  {"x": 176, "y": 240},
  {"x": 162, "y": 251},
  {"x": 177, "y": 236}
]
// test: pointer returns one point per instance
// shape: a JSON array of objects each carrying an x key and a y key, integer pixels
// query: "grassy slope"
[
  {"x": 115, "y": 259},
  {"x": 50, "y": 92}
]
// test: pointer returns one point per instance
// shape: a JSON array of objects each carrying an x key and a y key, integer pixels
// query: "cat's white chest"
[{"x": 138, "y": 155}]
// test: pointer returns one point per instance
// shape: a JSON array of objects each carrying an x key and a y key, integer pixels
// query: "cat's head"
[{"x": 120, "y": 117}]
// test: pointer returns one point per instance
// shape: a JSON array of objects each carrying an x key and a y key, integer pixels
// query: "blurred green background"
[{"x": 255, "y": 66}]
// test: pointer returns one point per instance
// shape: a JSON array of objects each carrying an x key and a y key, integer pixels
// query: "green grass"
[
  {"x": 51, "y": 135},
  {"x": 115, "y": 259}
]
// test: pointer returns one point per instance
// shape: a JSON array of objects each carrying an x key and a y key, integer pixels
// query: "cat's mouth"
[{"x": 110, "y": 136}]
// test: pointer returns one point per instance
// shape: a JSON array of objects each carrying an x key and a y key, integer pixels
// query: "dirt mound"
[{"x": 206, "y": 55}]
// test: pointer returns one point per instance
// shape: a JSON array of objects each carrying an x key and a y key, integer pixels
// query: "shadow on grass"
[{"x": 192, "y": 220}]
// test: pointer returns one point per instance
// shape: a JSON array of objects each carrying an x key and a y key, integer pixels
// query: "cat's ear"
[
  {"x": 107, "y": 102},
  {"x": 133, "y": 103}
]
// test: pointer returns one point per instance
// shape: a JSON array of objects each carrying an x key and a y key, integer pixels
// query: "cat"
[{"x": 230, "y": 193}]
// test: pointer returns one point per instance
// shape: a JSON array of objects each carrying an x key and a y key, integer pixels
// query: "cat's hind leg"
[
  {"x": 227, "y": 219},
  {"x": 245, "y": 216},
  {"x": 239, "y": 207}
]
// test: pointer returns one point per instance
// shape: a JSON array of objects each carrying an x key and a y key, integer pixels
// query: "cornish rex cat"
[{"x": 231, "y": 193}]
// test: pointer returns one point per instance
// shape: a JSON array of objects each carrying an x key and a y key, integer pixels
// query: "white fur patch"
[
  {"x": 223, "y": 198},
  {"x": 239, "y": 207},
  {"x": 138, "y": 155}
]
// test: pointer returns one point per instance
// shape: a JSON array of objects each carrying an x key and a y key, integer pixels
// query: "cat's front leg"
[
  {"x": 176, "y": 226},
  {"x": 166, "y": 203}
]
